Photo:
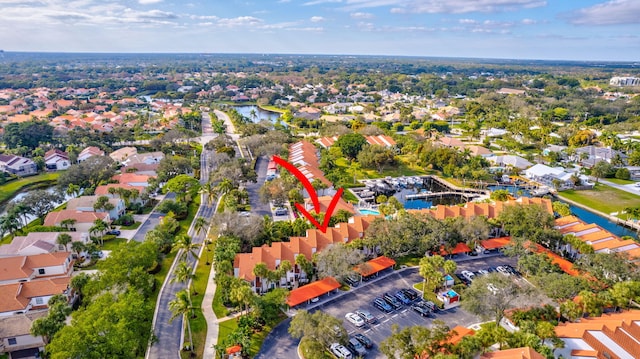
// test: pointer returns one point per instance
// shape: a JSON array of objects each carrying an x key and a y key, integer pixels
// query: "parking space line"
[
  {"x": 386, "y": 320},
  {"x": 395, "y": 315}
]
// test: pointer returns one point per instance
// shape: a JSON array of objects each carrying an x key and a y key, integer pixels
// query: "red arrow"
[{"x": 312, "y": 194}]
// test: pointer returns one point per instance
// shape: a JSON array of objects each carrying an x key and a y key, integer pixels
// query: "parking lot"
[{"x": 279, "y": 344}]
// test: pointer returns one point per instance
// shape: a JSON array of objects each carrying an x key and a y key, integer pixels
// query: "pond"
[
  {"x": 258, "y": 114},
  {"x": 18, "y": 197}
]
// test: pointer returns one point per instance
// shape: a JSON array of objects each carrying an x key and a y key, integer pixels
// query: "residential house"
[
  {"x": 83, "y": 220},
  {"x": 21, "y": 269},
  {"x": 120, "y": 155},
  {"x": 56, "y": 160},
  {"x": 103, "y": 190},
  {"x": 601, "y": 240},
  {"x": 488, "y": 210},
  {"x": 479, "y": 151},
  {"x": 507, "y": 161},
  {"x": 554, "y": 177},
  {"x": 22, "y": 297},
  {"x": 17, "y": 165},
  {"x": 149, "y": 158},
  {"x": 304, "y": 155},
  {"x": 38, "y": 243},
  {"x": 380, "y": 140},
  {"x": 325, "y": 201},
  {"x": 595, "y": 154},
  {"x": 450, "y": 142},
  {"x": 314, "y": 241},
  {"x": 614, "y": 336},
  {"x": 89, "y": 152},
  {"x": 15, "y": 335},
  {"x": 133, "y": 179},
  {"x": 86, "y": 204}
]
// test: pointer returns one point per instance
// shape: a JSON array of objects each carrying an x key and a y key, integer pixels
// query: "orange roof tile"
[
  {"x": 55, "y": 218},
  {"x": 515, "y": 353},
  {"x": 495, "y": 243},
  {"x": 313, "y": 290},
  {"x": 374, "y": 266},
  {"x": 458, "y": 332},
  {"x": 459, "y": 248},
  {"x": 22, "y": 267}
]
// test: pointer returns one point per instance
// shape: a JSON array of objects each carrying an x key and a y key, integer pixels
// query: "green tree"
[
  {"x": 30, "y": 134},
  {"x": 489, "y": 296},
  {"x": 184, "y": 186},
  {"x": 561, "y": 208},
  {"x": 318, "y": 326},
  {"x": 376, "y": 157},
  {"x": 182, "y": 306},
  {"x": 351, "y": 144},
  {"x": 63, "y": 239},
  {"x": 601, "y": 169},
  {"x": 185, "y": 244},
  {"x": 501, "y": 195}
]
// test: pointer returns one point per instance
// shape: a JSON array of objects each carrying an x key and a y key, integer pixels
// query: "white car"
[
  {"x": 503, "y": 270},
  {"x": 469, "y": 275},
  {"x": 340, "y": 351},
  {"x": 483, "y": 272},
  {"x": 354, "y": 319}
]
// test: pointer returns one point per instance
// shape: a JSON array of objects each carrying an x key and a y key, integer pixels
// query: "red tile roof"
[
  {"x": 495, "y": 243},
  {"x": 459, "y": 248},
  {"x": 55, "y": 218},
  {"x": 515, "y": 353},
  {"x": 313, "y": 290},
  {"x": 597, "y": 237},
  {"x": 489, "y": 210},
  {"x": 375, "y": 265}
]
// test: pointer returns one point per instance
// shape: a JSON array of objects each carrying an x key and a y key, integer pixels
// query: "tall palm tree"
[
  {"x": 225, "y": 186},
  {"x": 183, "y": 273},
  {"x": 77, "y": 247},
  {"x": 9, "y": 223},
  {"x": 200, "y": 225},
  {"x": 99, "y": 226},
  {"x": 68, "y": 223},
  {"x": 63, "y": 239},
  {"x": 185, "y": 243},
  {"x": 209, "y": 192},
  {"x": 182, "y": 306}
]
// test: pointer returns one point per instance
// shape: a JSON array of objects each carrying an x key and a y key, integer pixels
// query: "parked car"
[
  {"x": 352, "y": 281},
  {"x": 431, "y": 305},
  {"x": 340, "y": 351},
  {"x": 491, "y": 269},
  {"x": 114, "y": 232},
  {"x": 368, "y": 343},
  {"x": 467, "y": 274},
  {"x": 503, "y": 270},
  {"x": 356, "y": 347},
  {"x": 392, "y": 300},
  {"x": 354, "y": 319},
  {"x": 512, "y": 270},
  {"x": 421, "y": 309},
  {"x": 382, "y": 305},
  {"x": 410, "y": 293},
  {"x": 367, "y": 316},
  {"x": 483, "y": 272},
  {"x": 281, "y": 211},
  {"x": 402, "y": 297}
]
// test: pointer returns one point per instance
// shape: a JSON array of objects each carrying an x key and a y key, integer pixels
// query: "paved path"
[
  {"x": 631, "y": 188},
  {"x": 253, "y": 188},
  {"x": 212, "y": 321}
]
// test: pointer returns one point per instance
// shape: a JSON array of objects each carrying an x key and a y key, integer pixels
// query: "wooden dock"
[{"x": 428, "y": 195}]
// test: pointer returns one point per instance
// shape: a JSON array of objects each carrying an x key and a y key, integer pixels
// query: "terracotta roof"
[
  {"x": 564, "y": 264},
  {"x": 599, "y": 238},
  {"x": 129, "y": 178},
  {"x": 615, "y": 333},
  {"x": 381, "y": 140},
  {"x": 304, "y": 155},
  {"x": 313, "y": 290},
  {"x": 46, "y": 241},
  {"x": 458, "y": 332},
  {"x": 459, "y": 248},
  {"x": 16, "y": 296},
  {"x": 22, "y": 267},
  {"x": 314, "y": 241},
  {"x": 104, "y": 189},
  {"x": 495, "y": 243},
  {"x": 326, "y": 200},
  {"x": 515, "y": 353},
  {"x": 55, "y": 218},
  {"x": 473, "y": 209},
  {"x": 374, "y": 266}
]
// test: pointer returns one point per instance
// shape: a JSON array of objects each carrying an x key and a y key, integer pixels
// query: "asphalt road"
[
  {"x": 257, "y": 207},
  {"x": 151, "y": 222},
  {"x": 169, "y": 334},
  {"x": 279, "y": 344}
]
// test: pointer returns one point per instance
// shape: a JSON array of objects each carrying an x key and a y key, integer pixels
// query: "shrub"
[{"x": 623, "y": 173}]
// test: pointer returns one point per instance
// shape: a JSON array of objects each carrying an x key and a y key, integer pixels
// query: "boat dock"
[{"x": 430, "y": 195}]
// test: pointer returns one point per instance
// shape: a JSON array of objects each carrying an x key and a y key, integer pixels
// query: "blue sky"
[{"x": 520, "y": 29}]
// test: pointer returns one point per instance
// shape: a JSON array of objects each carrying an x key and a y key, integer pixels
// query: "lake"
[{"x": 260, "y": 114}]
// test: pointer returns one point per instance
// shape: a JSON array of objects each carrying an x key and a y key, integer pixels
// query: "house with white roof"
[
  {"x": 510, "y": 161},
  {"x": 88, "y": 152},
  {"x": 546, "y": 175},
  {"x": 56, "y": 160}
]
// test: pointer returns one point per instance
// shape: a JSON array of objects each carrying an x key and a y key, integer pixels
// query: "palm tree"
[
  {"x": 9, "y": 223},
  {"x": 182, "y": 306},
  {"x": 225, "y": 186},
  {"x": 200, "y": 225},
  {"x": 183, "y": 273},
  {"x": 73, "y": 190},
  {"x": 68, "y": 223},
  {"x": 242, "y": 294},
  {"x": 208, "y": 190},
  {"x": 77, "y": 247},
  {"x": 185, "y": 243},
  {"x": 99, "y": 226},
  {"x": 63, "y": 239}
]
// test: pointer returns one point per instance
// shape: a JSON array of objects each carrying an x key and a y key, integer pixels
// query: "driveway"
[
  {"x": 257, "y": 207},
  {"x": 152, "y": 221}
]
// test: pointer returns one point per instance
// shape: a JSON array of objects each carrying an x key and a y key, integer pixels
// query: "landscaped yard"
[
  {"x": 603, "y": 198},
  {"x": 113, "y": 243},
  {"x": 9, "y": 189},
  {"x": 619, "y": 181}
]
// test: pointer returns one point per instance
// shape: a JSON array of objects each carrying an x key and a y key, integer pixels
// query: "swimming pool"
[{"x": 366, "y": 212}]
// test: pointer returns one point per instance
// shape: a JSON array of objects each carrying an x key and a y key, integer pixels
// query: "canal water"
[
  {"x": 260, "y": 114},
  {"x": 18, "y": 197}
]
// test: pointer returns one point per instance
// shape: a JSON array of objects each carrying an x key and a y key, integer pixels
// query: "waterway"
[
  {"x": 18, "y": 197},
  {"x": 260, "y": 114}
]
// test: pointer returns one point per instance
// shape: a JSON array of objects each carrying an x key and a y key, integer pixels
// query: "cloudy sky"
[{"x": 520, "y": 29}]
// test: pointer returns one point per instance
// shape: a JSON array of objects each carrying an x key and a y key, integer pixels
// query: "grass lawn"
[
  {"x": 429, "y": 296},
  {"x": 229, "y": 326},
  {"x": 272, "y": 108},
  {"x": 409, "y": 261},
  {"x": 135, "y": 225},
  {"x": 619, "y": 181},
  {"x": 603, "y": 198},
  {"x": 113, "y": 244},
  {"x": 199, "y": 323},
  {"x": 9, "y": 189},
  {"x": 218, "y": 308}
]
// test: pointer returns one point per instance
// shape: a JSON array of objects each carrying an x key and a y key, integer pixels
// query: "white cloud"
[
  {"x": 467, "y": 21},
  {"x": 612, "y": 12},
  {"x": 361, "y": 15},
  {"x": 448, "y": 6},
  {"x": 316, "y": 19},
  {"x": 528, "y": 21},
  {"x": 147, "y": 2},
  {"x": 320, "y": 2}
]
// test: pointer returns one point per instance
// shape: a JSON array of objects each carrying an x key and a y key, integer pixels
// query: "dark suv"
[
  {"x": 395, "y": 303},
  {"x": 382, "y": 305}
]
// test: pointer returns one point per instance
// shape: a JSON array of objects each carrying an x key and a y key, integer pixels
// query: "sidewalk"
[{"x": 210, "y": 317}]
